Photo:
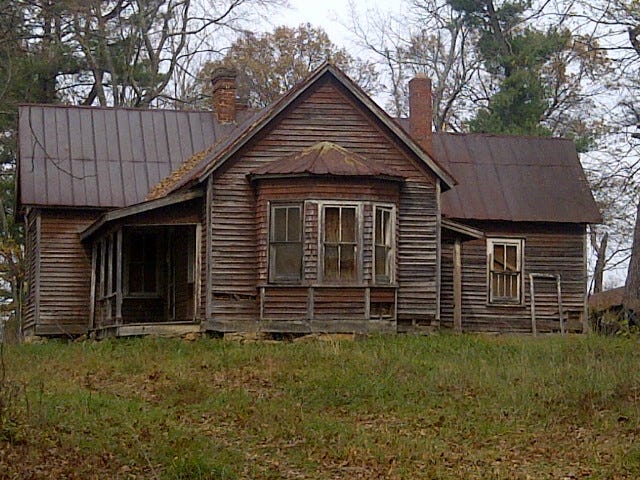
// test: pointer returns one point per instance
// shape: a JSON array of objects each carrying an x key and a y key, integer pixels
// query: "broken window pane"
[
  {"x": 340, "y": 242},
  {"x": 511, "y": 258},
  {"x": 347, "y": 262},
  {"x": 348, "y": 222},
  {"x": 332, "y": 224},
  {"x": 331, "y": 270},
  {"x": 498, "y": 257},
  {"x": 505, "y": 276}
]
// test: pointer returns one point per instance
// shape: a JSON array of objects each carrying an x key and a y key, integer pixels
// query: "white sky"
[{"x": 331, "y": 15}]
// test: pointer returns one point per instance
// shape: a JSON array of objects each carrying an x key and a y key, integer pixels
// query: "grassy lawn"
[{"x": 440, "y": 407}]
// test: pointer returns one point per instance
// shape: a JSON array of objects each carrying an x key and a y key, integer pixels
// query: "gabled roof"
[
  {"x": 235, "y": 142},
  {"x": 514, "y": 178},
  {"x": 325, "y": 158},
  {"x": 105, "y": 157}
]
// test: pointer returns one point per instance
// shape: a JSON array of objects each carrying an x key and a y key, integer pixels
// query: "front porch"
[{"x": 145, "y": 280}]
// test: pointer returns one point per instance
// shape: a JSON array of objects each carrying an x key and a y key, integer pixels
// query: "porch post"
[
  {"x": 457, "y": 286},
  {"x": 92, "y": 297},
  {"x": 119, "y": 277}
]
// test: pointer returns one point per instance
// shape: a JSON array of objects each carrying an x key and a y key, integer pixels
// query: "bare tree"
[{"x": 431, "y": 39}]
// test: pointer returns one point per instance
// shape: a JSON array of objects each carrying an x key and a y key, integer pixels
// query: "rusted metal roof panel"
[
  {"x": 326, "y": 158},
  {"x": 104, "y": 157},
  {"x": 514, "y": 178}
]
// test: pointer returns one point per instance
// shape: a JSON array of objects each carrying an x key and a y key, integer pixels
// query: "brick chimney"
[
  {"x": 223, "y": 83},
  {"x": 420, "y": 110}
]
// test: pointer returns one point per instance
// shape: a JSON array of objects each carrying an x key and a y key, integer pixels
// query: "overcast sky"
[{"x": 331, "y": 15}]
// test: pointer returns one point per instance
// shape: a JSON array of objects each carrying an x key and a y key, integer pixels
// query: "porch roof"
[{"x": 125, "y": 212}]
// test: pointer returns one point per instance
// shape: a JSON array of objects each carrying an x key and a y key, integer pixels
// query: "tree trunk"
[
  {"x": 631, "y": 299},
  {"x": 601, "y": 259}
]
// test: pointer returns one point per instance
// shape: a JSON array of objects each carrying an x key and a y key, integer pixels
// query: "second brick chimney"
[
  {"x": 223, "y": 83},
  {"x": 420, "y": 111}
]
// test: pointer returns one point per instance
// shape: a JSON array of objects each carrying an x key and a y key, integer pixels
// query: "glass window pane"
[
  {"x": 379, "y": 228},
  {"x": 293, "y": 225},
  {"x": 330, "y": 262},
  {"x": 347, "y": 262},
  {"x": 349, "y": 224},
  {"x": 287, "y": 260},
  {"x": 498, "y": 257},
  {"x": 512, "y": 264},
  {"x": 279, "y": 230},
  {"x": 332, "y": 224}
]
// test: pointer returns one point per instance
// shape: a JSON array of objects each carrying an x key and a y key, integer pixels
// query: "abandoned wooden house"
[{"x": 319, "y": 213}]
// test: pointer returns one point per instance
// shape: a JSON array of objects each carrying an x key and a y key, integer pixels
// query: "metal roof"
[
  {"x": 514, "y": 178},
  {"x": 105, "y": 157},
  {"x": 326, "y": 158}
]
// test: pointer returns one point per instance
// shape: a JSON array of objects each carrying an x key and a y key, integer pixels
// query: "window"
[
  {"x": 339, "y": 243},
  {"x": 285, "y": 244},
  {"x": 142, "y": 266},
  {"x": 383, "y": 244},
  {"x": 505, "y": 270}
]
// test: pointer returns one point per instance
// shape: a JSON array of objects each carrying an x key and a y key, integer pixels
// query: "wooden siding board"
[{"x": 65, "y": 271}]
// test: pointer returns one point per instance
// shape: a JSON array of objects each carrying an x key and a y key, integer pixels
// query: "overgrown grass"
[{"x": 386, "y": 407}]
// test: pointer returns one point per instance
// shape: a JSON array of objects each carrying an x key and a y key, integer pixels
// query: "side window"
[
  {"x": 285, "y": 244},
  {"x": 504, "y": 258},
  {"x": 384, "y": 244},
  {"x": 340, "y": 243}
]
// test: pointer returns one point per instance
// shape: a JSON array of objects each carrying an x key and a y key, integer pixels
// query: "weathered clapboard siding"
[
  {"x": 64, "y": 275},
  {"x": 311, "y": 229},
  {"x": 548, "y": 249},
  {"x": 339, "y": 303},
  {"x": 287, "y": 303},
  {"x": 32, "y": 252},
  {"x": 417, "y": 254},
  {"x": 324, "y": 113}
]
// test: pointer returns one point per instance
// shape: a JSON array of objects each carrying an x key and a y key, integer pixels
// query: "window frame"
[
  {"x": 273, "y": 277},
  {"x": 359, "y": 241},
  {"x": 391, "y": 254},
  {"x": 519, "y": 243}
]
